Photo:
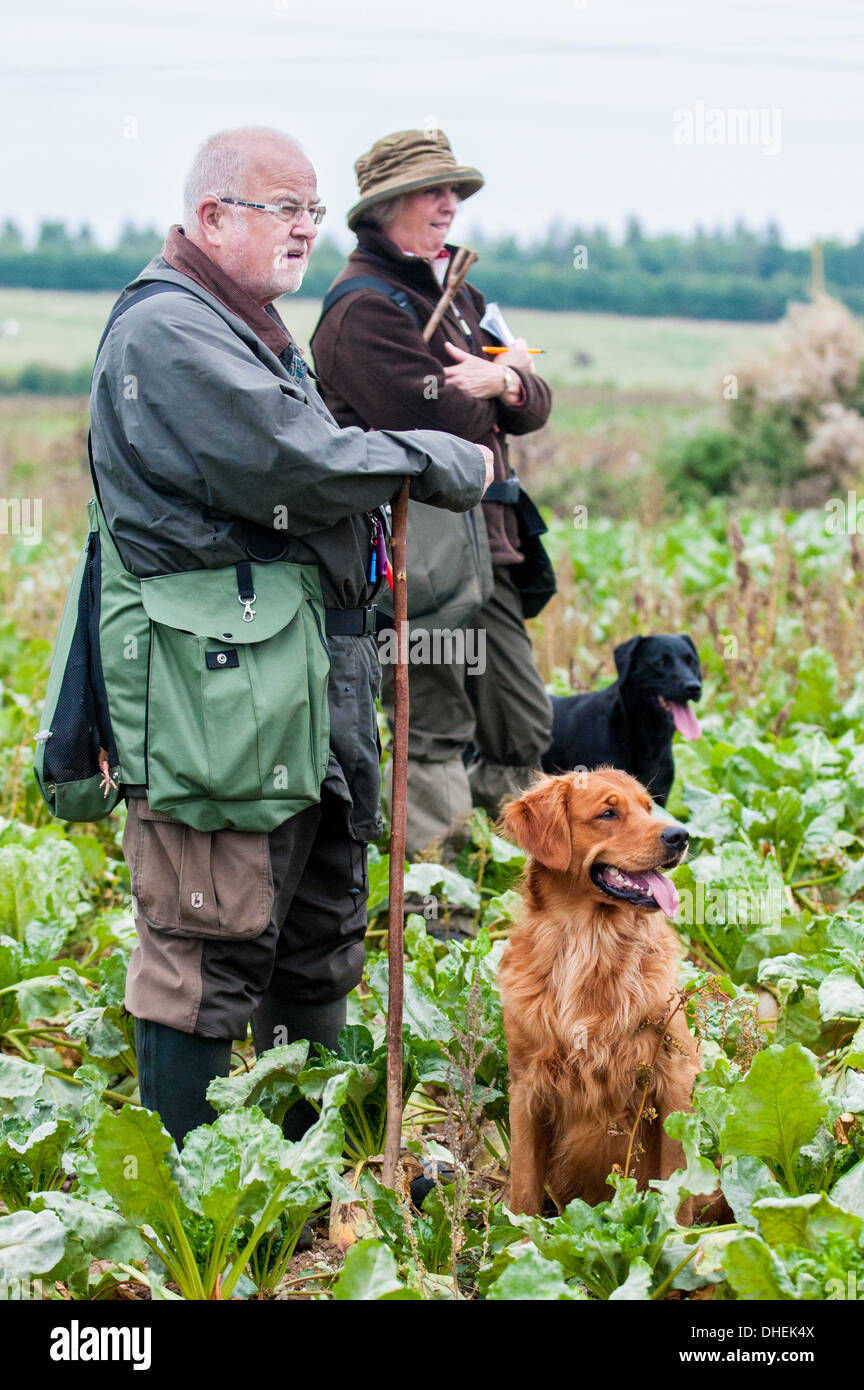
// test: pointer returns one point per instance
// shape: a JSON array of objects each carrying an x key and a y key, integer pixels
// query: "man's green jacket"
[{"x": 207, "y": 451}]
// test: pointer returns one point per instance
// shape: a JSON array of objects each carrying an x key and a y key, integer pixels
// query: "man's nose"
[
  {"x": 306, "y": 225},
  {"x": 305, "y": 229}
]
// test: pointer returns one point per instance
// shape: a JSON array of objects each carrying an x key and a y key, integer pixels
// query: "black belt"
[
  {"x": 350, "y": 622},
  {"x": 507, "y": 490}
]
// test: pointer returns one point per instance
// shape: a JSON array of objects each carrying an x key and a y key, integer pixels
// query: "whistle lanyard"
[{"x": 379, "y": 563}]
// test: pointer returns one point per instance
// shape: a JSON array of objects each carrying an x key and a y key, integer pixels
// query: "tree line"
[{"x": 740, "y": 273}]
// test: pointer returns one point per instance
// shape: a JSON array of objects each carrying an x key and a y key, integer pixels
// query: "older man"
[
  {"x": 212, "y": 449},
  {"x": 376, "y": 370}
]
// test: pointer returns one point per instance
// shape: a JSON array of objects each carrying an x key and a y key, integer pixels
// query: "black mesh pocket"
[{"x": 81, "y": 725}]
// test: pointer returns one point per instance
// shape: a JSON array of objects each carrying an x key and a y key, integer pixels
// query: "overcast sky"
[{"x": 569, "y": 107}]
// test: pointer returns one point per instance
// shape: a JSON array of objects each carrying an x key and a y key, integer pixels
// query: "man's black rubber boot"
[
  {"x": 279, "y": 1021},
  {"x": 174, "y": 1071}
]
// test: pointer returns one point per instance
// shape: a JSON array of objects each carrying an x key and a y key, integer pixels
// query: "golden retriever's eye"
[{"x": 609, "y": 814}]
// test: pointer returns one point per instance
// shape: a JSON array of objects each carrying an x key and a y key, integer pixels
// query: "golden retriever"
[{"x": 594, "y": 1024}]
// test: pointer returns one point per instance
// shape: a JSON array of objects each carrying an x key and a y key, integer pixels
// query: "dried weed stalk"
[
  {"x": 714, "y": 1015},
  {"x": 463, "y": 1120}
]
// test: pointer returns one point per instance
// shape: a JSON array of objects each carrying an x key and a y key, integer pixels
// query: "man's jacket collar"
[{"x": 184, "y": 256}]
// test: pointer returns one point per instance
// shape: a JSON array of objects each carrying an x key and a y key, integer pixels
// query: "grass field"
[
  {"x": 679, "y": 356},
  {"x": 622, "y": 387}
]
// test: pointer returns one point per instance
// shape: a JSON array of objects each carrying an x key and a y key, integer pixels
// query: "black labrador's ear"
[
  {"x": 685, "y": 637},
  {"x": 624, "y": 657}
]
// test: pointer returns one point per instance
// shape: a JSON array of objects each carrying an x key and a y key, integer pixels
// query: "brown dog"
[{"x": 589, "y": 988}]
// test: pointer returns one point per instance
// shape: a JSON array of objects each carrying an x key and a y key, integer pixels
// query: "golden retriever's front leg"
[{"x": 529, "y": 1142}]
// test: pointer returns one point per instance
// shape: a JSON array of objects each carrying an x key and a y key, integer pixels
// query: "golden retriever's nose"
[{"x": 675, "y": 838}]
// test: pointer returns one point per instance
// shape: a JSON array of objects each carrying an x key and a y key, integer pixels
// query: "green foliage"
[
  {"x": 739, "y": 274},
  {"x": 776, "y": 1110},
  {"x": 772, "y": 898},
  {"x": 370, "y": 1275},
  {"x": 41, "y": 894},
  {"x": 211, "y": 1207},
  {"x": 32, "y": 1153},
  {"x": 90, "y": 1233},
  {"x": 285, "y": 1075},
  {"x": 806, "y": 1249},
  {"x": 42, "y": 379},
  {"x": 530, "y": 1276},
  {"x": 598, "y": 1247},
  {"x": 706, "y": 465},
  {"x": 31, "y": 1244}
]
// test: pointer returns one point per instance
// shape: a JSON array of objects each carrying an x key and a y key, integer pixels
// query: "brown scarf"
[{"x": 183, "y": 255}]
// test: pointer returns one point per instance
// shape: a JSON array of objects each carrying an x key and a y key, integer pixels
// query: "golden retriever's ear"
[{"x": 540, "y": 822}]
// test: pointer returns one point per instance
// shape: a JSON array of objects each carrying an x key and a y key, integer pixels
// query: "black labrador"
[{"x": 630, "y": 723}]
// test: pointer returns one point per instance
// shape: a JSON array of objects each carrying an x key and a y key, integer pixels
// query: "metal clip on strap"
[{"x": 245, "y": 589}]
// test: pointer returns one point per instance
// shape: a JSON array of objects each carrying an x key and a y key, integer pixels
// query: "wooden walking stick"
[{"x": 462, "y": 262}]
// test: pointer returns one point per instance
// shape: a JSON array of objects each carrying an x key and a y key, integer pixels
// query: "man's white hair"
[{"x": 221, "y": 164}]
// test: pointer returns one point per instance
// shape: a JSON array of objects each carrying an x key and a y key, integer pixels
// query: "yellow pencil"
[{"x": 533, "y": 351}]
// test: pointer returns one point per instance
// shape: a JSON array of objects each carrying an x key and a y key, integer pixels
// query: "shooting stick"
[{"x": 462, "y": 262}]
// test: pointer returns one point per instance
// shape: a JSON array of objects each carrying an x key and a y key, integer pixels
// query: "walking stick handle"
[{"x": 462, "y": 263}]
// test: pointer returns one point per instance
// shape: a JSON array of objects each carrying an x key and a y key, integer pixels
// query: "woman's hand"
[
  {"x": 474, "y": 375},
  {"x": 516, "y": 356}
]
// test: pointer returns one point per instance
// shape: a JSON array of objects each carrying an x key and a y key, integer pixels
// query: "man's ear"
[
  {"x": 209, "y": 223},
  {"x": 540, "y": 822},
  {"x": 624, "y": 657}
]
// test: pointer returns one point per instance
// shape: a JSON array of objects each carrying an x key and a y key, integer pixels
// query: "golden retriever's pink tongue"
[
  {"x": 663, "y": 891},
  {"x": 685, "y": 721}
]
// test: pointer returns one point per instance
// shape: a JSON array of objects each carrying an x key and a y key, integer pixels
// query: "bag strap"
[
  {"x": 145, "y": 292},
  {"x": 504, "y": 490},
  {"x": 463, "y": 290},
  {"x": 367, "y": 282}
]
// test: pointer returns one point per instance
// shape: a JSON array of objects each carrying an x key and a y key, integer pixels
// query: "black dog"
[{"x": 630, "y": 723}]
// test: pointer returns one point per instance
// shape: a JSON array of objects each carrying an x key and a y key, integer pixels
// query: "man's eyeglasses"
[{"x": 286, "y": 212}]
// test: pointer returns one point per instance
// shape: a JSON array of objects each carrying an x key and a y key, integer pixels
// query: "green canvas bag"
[
  {"x": 207, "y": 689},
  {"x": 214, "y": 702}
]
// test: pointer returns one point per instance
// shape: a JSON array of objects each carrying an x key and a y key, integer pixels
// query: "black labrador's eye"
[{"x": 609, "y": 814}]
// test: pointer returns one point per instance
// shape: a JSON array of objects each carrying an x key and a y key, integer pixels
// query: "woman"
[{"x": 376, "y": 371}]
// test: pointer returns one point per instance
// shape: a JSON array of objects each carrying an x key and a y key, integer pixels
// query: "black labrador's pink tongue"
[
  {"x": 662, "y": 890},
  {"x": 685, "y": 721}
]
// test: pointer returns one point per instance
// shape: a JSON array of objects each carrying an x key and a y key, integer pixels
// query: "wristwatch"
[{"x": 509, "y": 380}]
